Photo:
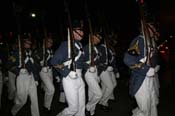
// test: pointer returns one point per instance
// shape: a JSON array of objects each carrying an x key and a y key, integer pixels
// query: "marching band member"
[
  {"x": 27, "y": 80},
  {"x": 73, "y": 83}
]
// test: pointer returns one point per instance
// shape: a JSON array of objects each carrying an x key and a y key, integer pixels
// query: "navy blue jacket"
[
  {"x": 31, "y": 67},
  {"x": 39, "y": 57},
  {"x": 112, "y": 59},
  {"x": 61, "y": 56},
  {"x": 137, "y": 74},
  {"x": 102, "y": 63},
  {"x": 86, "y": 57}
]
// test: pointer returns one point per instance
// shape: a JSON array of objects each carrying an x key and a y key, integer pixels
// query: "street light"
[{"x": 33, "y": 15}]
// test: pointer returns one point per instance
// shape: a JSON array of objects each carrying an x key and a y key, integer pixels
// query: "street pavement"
[{"x": 122, "y": 106}]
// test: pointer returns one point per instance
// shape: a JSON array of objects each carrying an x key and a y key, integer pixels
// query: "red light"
[
  {"x": 162, "y": 52},
  {"x": 10, "y": 34},
  {"x": 141, "y": 1}
]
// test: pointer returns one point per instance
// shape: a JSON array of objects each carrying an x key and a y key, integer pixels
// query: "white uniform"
[
  {"x": 26, "y": 86},
  {"x": 111, "y": 71},
  {"x": 11, "y": 85},
  {"x": 47, "y": 79},
  {"x": 46, "y": 75},
  {"x": 142, "y": 85},
  {"x": 73, "y": 86},
  {"x": 75, "y": 95},
  {"x": 105, "y": 77},
  {"x": 107, "y": 87},
  {"x": 94, "y": 90},
  {"x": 114, "y": 83},
  {"x": 156, "y": 83},
  {"x": 146, "y": 98},
  {"x": 92, "y": 79}
]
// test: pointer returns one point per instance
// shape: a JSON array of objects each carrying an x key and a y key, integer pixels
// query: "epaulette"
[{"x": 134, "y": 49}]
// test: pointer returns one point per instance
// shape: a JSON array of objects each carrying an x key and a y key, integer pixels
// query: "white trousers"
[
  {"x": 11, "y": 85},
  {"x": 156, "y": 84},
  {"x": 1, "y": 85},
  {"x": 75, "y": 96},
  {"x": 47, "y": 80},
  {"x": 146, "y": 99},
  {"x": 114, "y": 83},
  {"x": 26, "y": 87},
  {"x": 94, "y": 91},
  {"x": 62, "y": 97},
  {"x": 107, "y": 87}
]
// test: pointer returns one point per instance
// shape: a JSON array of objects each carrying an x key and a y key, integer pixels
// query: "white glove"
[
  {"x": 19, "y": 66},
  {"x": 23, "y": 71},
  {"x": 67, "y": 63},
  {"x": 58, "y": 79},
  {"x": 143, "y": 60},
  {"x": 117, "y": 75},
  {"x": 109, "y": 68},
  {"x": 44, "y": 69},
  {"x": 92, "y": 69},
  {"x": 157, "y": 68},
  {"x": 73, "y": 75},
  {"x": 42, "y": 63},
  {"x": 150, "y": 72}
]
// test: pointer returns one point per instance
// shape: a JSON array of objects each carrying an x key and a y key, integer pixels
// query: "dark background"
[{"x": 120, "y": 15}]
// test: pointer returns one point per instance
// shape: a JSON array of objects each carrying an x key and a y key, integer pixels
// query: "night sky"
[{"x": 121, "y": 15}]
